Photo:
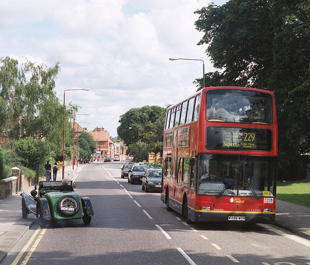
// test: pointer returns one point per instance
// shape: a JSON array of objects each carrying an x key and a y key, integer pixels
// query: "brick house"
[{"x": 103, "y": 143}]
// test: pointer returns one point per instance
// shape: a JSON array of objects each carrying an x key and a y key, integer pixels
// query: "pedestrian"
[
  {"x": 55, "y": 168},
  {"x": 48, "y": 168}
]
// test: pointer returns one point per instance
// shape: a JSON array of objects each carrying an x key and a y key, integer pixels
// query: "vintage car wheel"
[
  {"x": 42, "y": 221},
  {"x": 24, "y": 209},
  {"x": 68, "y": 206},
  {"x": 86, "y": 219}
]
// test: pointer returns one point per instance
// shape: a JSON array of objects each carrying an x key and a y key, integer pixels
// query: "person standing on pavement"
[
  {"x": 48, "y": 168},
  {"x": 55, "y": 171}
]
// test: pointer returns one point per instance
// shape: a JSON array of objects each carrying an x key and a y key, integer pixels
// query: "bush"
[
  {"x": 12, "y": 159},
  {"x": 7, "y": 171},
  {"x": 2, "y": 160},
  {"x": 29, "y": 173}
]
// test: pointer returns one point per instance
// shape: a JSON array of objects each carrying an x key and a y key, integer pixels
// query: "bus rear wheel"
[
  {"x": 167, "y": 202},
  {"x": 185, "y": 212}
]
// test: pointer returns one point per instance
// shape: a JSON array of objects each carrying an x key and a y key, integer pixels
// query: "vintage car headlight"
[{"x": 68, "y": 206}]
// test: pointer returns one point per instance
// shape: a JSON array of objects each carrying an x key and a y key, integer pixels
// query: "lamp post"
[
  {"x": 63, "y": 132},
  {"x": 73, "y": 129},
  {"x": 189, "y": 59}
]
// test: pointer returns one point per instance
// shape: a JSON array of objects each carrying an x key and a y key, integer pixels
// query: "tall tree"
[
  {"x": 29, "y": 105},
  {"x": 133, "y": 123},
  {"x": 86, "y": 145},
  {"x": 265, "y": 44}
]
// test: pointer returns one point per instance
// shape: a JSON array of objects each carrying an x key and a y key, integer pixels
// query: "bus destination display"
[{"x": 223, "y": 138}]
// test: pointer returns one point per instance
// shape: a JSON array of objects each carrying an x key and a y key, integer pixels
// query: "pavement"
[
  {"x": 289, "y": 216},
  {"x": 12, "y": 225}
]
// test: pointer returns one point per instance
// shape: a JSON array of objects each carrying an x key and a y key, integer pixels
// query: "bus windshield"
[
  {"x": 240, "y": 106},
  {"x": 235, "y": 175}
]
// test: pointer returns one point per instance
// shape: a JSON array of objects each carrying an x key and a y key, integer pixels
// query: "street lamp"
[
  {"x": 63, "y": 132},
  {"x": 73, "y": 160},
  {"x": 203, "y": 67}
]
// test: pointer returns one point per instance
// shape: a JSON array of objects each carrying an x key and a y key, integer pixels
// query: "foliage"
[
  {"x": 134, "y": 122},
  {"x": 29, "y": 173},
  {"x": 32, "y": 151},
  {"x": 29, "y": 105},
  {"x": 86, "y": 145},
  {"x": 7, "y": 171},
  {"x": 139, "y": 150},
  {"x": 265, "y": 44},
  {"x": 295, "y": 192},
  {"x": 12, "y": 159},
  {"x": 2, "y": 162}
]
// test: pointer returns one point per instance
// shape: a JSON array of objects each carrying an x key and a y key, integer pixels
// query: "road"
[{"x": 134, "y": 227}]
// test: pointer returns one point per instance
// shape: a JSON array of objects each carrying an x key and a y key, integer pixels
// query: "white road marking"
[
  {"x": 292, "y": 237},
  {"x": 190, "y": 261},
  {"x": 146, "y": 213},
  {"x": 163, "y": 231},
  {"x": 137, "y": 203}
]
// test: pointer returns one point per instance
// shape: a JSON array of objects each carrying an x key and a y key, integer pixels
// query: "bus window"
[
  {"x": 167, "y": 119},
  {"x": 186, "y": 171},
  {"x": 193, "y": 173},
  {"x": 197, "y": 107},
  {"x": 177, "y": 116},
  {"x": 168, "y": 167},
  {"x": 190, "y": 107},
  {"x": 180, "y": 170},
  {"x": 183, "y": 113},
  {"x": 171, "y": 118}
]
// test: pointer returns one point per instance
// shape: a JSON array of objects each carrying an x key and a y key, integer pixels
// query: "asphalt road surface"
[{"x": 134, "y": 227}]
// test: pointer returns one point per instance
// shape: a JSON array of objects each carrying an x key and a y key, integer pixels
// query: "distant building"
[{"x": 103, "y": 143}]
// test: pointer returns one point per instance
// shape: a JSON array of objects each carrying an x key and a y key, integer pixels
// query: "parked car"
[
  {"x": 107, "y": 159},
  {"x": 116, "y": 158},
  {"x": 49, "y": 203},
  {"x": 136, "y": 173},
  {"x": 152, "y": 180},
  {"x": 125, "y": 169}
]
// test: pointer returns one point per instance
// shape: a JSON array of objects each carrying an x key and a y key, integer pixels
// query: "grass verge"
[{"x": 295, "y": 192}]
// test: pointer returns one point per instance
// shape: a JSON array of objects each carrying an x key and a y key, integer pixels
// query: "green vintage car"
[{"x": 52, "y": 204}]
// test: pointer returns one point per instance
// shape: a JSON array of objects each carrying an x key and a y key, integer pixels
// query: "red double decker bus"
[{"x": 219, "y": 156}]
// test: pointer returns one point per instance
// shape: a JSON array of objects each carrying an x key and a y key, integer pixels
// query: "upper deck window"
[{"x": 239, "y": 106}]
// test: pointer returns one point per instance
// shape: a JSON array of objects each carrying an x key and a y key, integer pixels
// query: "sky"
[{"x": 118, "y": 49}]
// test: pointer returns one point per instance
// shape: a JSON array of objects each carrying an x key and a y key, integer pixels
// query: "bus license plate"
[
  {"x": 236, "y": 218},
  {"x": 157, "y": 186}
]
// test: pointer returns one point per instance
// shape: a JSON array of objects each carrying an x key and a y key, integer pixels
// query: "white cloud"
[{"x": 117, "y": 49}]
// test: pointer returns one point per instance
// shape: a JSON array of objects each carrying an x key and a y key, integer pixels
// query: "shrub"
[{"x": 2, "y": 160}]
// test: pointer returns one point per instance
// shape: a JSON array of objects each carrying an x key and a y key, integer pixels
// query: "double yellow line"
[{"x": 34, "y": 246}]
